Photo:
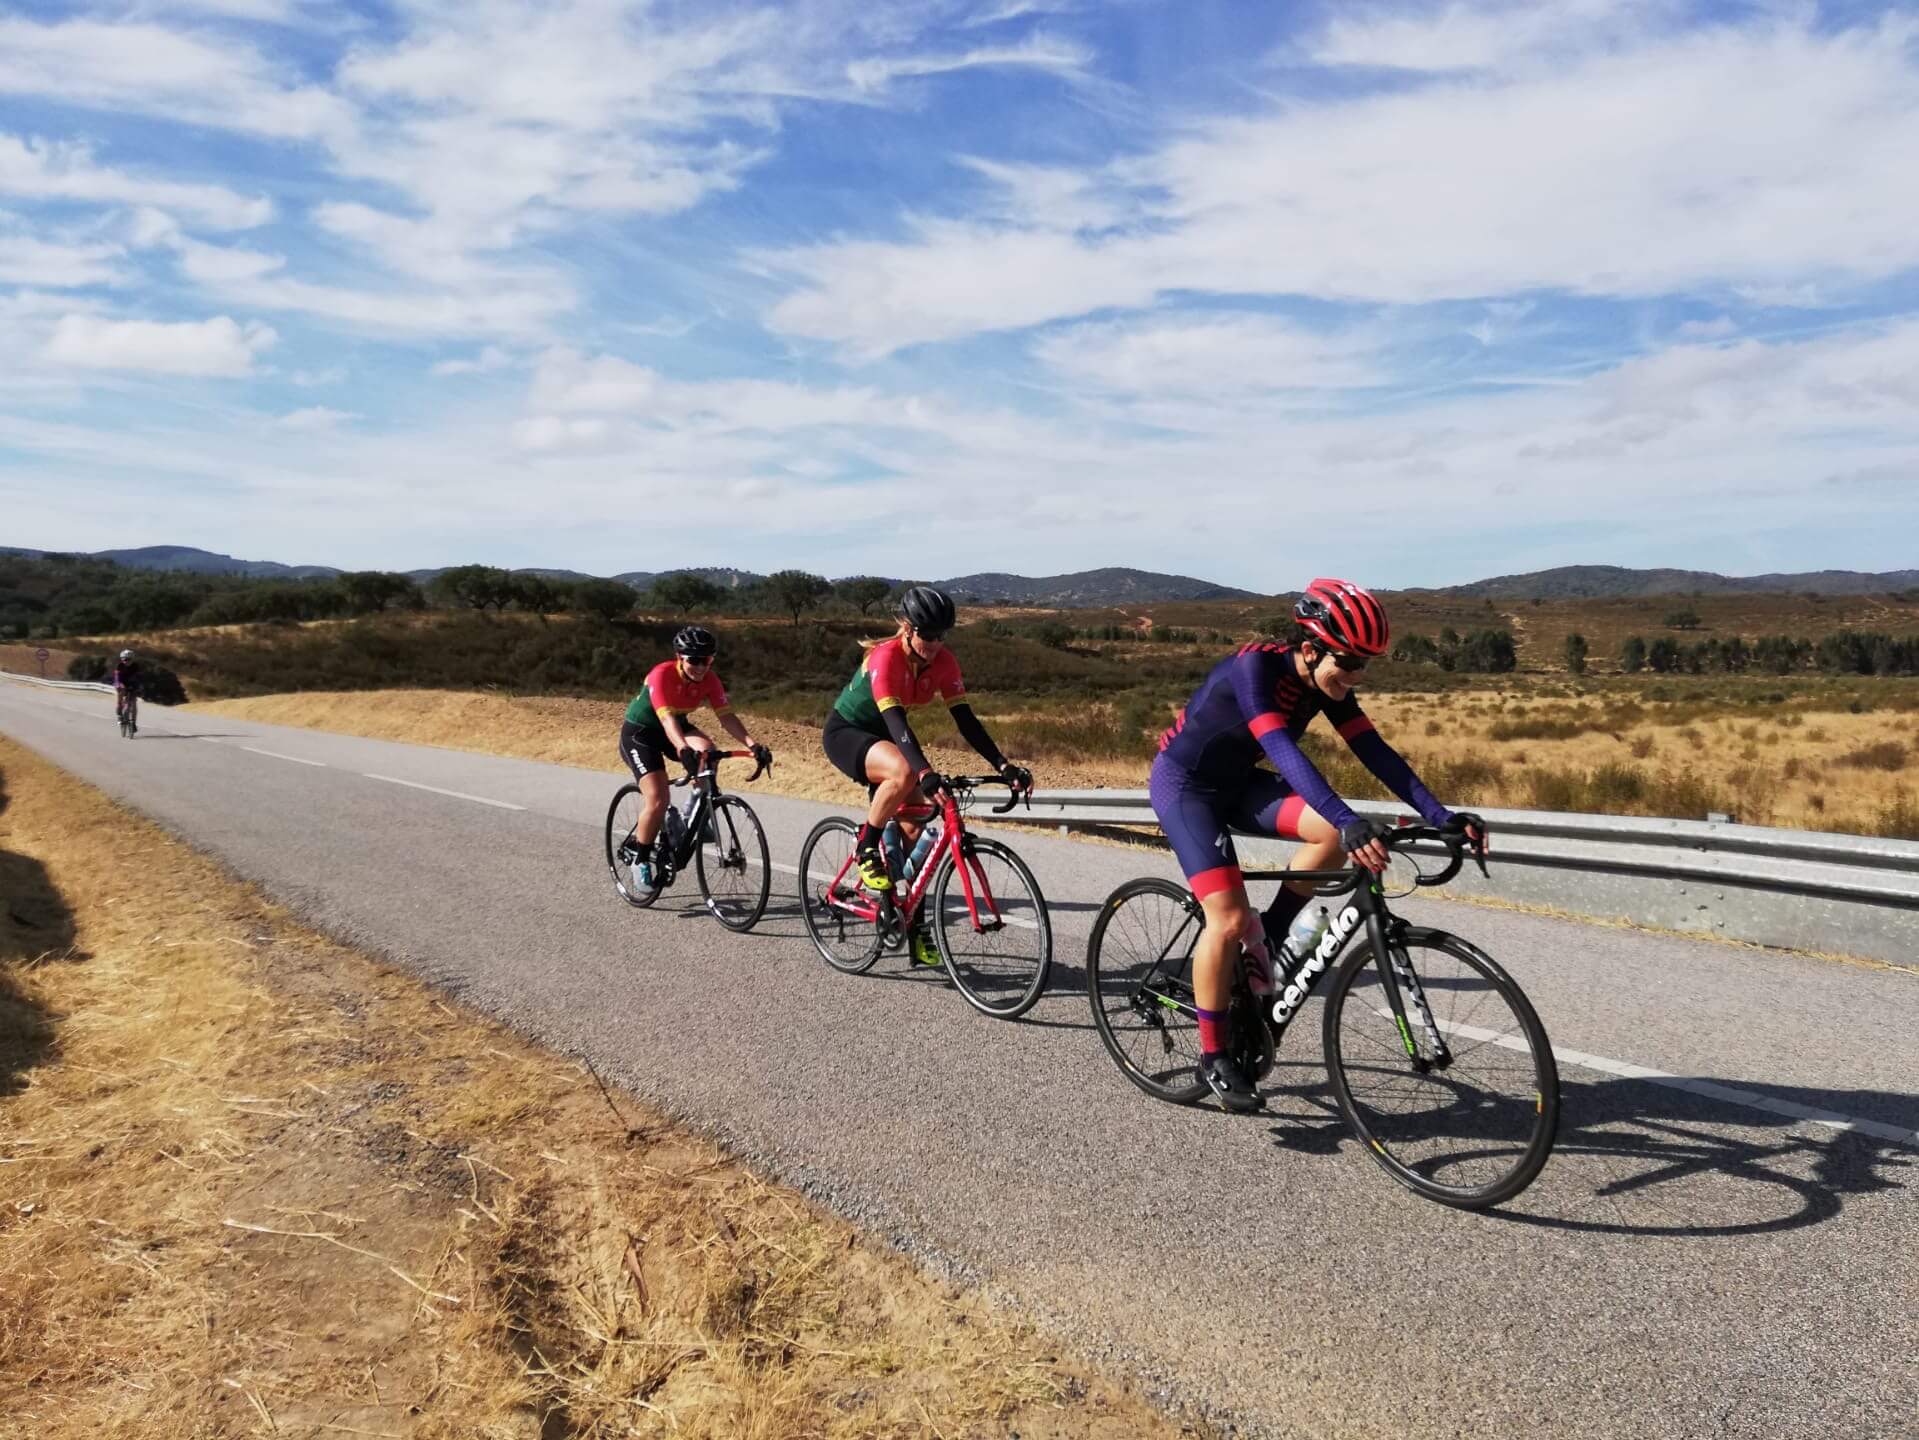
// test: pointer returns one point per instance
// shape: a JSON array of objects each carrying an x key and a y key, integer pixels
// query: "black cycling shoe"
[{"x": 1233, "y": 1090}]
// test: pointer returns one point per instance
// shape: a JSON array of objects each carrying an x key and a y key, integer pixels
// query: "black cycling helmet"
[
  {"x": 931, "y": 612},
  {"x": 695, "y": 642}
]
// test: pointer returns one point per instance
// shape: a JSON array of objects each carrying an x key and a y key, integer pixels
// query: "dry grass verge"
[{"x": 253, "y": 1183}]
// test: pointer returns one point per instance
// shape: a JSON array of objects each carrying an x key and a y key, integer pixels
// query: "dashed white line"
[
  {"x": 456, "y": 794},
  {"x": 275, "y": 754},
  {"x": 1712, "y": 1089}
]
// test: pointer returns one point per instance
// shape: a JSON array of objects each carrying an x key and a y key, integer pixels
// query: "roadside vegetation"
[
  {"x": 252, "y": 1182},
  {"x": 1748, "y": 705}
]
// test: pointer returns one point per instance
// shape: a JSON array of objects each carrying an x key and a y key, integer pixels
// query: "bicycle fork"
[{"x": 1406, "y": 996}]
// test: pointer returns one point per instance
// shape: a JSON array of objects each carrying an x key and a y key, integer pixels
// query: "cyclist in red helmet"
[{"x": 1206, "y": 782}]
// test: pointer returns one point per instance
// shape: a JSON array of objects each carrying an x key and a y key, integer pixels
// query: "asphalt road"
[{"x": 1695, "y": 1260}]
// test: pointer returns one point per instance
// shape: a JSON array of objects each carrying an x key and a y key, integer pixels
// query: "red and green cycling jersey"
[
  {"x": 670, "y": 692},
  {"x": 887, "y": 678}
]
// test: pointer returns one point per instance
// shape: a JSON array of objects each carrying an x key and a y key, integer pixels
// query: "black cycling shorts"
[
  {"x": 644, "y": 749},
  {"x": 846, "y": 745}
]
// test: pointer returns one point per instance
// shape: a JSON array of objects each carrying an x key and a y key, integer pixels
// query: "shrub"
[
  {"x": 1632, "y": 656},
  {"x": 1576, "y": 653},
  {"x": 1887, "y": 755}
]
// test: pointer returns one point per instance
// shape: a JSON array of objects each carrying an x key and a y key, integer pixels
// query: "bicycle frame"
[
  {"x": 1294, "y": 984},
  {"x": 953, "y": 837},
  {"x": 706, "y": 782}
]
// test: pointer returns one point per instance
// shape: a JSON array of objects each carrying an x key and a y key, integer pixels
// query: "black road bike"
[
  {"x": 1436, "y": 1057},
  {"x": 127, "y": 712},
  {"x": 719, "y": 835}
]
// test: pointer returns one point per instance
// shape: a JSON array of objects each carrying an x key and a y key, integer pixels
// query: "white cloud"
[
  {"x": 219, "y": 346},
  {"x": 151, "y": 69},
  {"x": 47, "y": 170},
  {"x": 312, "y": 379},
  {"x": 490, "y": 359},
  {"x": 1773, "y": 158},
  {"x": 554, "y": 433},
  {"x": 1054, "y": 56},
  {"x": 56, "y": 264},
  {"x": 1481, "y": 36},
  {"x": 1222, "y": 355},
  {"x": 315, "y": 417}
]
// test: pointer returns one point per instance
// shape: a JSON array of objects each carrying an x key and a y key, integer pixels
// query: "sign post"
[{"x": 41, "y": 655}]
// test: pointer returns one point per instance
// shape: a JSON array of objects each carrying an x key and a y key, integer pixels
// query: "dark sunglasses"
[
  {"x": 935, "y": 636},
  {"x": 1350, "y": 663},
  {"x": 696, "y": 659}
]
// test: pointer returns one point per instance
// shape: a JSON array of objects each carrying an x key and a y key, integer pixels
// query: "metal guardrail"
[
  {"x": 57, "y": 684},
  {"x": 1853, "y": 895}
]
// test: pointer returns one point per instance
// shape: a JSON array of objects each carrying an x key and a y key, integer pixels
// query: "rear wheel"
[
  {"x": 622, "y": 816},
  {"x": 1000, "y": 962},
  {"x": 828, "y": 883},
  {"x": 731, "y": 862},
  {"x": 1470, "y": 1127},
  {"x": 1139, "y": 978}
]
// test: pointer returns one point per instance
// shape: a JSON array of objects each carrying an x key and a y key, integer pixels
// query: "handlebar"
[
  {"x": 1337, "y": 881},
  {"x": 962, "y": 785},
  {"x": 715, "y": 756}
]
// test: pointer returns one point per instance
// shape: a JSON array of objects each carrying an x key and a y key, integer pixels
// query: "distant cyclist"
[
  {"x": 126, "y": 676},
  {"x": 1257, "y": 703},
  {"x": 869, "y": 736},
  {"x": 656, "y": 729}
]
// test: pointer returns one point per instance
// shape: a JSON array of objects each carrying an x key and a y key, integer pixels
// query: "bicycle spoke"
[
  {"x": 999, "y": 948},
  {"x": 1139, "y": 979}
]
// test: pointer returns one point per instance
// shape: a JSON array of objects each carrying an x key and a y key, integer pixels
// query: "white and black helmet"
[
  {"x": 931, "y": 612},
  {"x": 695, "y": 642},
  {"x": 126, "y": 654}
]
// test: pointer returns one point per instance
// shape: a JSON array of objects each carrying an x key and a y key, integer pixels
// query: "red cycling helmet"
[{"x": 1343, "y": 617}]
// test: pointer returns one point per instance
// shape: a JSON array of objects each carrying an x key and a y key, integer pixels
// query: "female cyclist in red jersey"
[
  {"x": 1205, "y": 782},
  {"x": 655, "y": 728},
  {"x": 870, "y": 739}
]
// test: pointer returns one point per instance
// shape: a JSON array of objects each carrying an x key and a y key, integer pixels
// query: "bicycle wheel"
[
  {"x": 845, "y": 941},
  {"x": 621, "y": 817},
  {"x": 732, "y": 865},
  {"x": 1474, "y": 1132},
  {"x": 1139, "y": 978},
  {"x": 999, "y": 964}
]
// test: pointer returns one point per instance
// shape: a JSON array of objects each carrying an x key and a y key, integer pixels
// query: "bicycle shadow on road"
[
  {"x": 36, "y": 927},
  {"x": 1640, "y": 1157}
]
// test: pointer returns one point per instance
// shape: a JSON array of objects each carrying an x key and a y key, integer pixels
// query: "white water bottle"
[
  {"x": 1309, "y": 927},
  {"x": 1260, "y": 978},
  {"x": 921, "y": 850}
]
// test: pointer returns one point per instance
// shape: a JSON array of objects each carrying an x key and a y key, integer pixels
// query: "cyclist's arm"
[
  {"x": 1254, "y": 677},
  {"x": 976, "y": 736},
  {"x": 1356, "y": 729},
  {"x": 894, "y": 716},
  {"x": 730, "y": 723}
]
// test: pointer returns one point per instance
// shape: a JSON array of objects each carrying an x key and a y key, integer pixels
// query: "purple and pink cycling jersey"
[{"x": 1206, "y": 779}]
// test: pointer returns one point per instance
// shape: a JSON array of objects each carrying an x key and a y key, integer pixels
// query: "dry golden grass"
[
  {"x": 1768, "y": 765},
  {"x": 22, "y": 660},
  {"x": 253, "y": 1183}
]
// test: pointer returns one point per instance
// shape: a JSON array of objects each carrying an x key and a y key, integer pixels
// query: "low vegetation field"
[{"x": 1082, "y": 694}]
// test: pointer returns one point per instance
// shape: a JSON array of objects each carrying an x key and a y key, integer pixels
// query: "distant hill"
[
  {"x": 1112, "y": 586},
  {"x": 1608, "y": 582},
  {"x": 723, "y": 576},
  {"x": 195, "y": 562}
]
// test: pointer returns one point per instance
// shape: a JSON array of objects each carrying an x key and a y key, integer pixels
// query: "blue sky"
[{"x": 1415, "y": 293}]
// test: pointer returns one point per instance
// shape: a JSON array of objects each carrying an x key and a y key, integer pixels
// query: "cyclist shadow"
[
  {"x": 36, "y": 926},
  {"x": 1639, "y": 1157},
  {"x": 1642, "y": 1157}
]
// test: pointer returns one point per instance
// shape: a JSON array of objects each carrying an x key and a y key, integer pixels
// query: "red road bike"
[{"x": 995, "y": 940}]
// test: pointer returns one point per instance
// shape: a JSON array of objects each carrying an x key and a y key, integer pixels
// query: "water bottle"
[
  {"x": 674, "y": 830},
  {"x": 1309, "y": 927},
  {"x": 920, "y": 851},
  {"x": 894, "y": 844}
]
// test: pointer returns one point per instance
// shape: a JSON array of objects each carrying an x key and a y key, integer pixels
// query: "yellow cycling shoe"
[{"x": 873, "y": 873}]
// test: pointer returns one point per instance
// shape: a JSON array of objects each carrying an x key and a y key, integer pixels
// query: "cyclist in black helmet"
[
  {"x": 870, "y": 739},
  {"x": 656, "y": 728}
]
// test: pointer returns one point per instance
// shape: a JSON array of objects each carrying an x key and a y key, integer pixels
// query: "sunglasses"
[
  {"x": 935, "y": 636},
  {"x": 1350, "y": 663},
  {"x": 696, "y": 659}
]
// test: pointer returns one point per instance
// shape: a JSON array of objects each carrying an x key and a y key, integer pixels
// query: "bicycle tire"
[
  {"x": 736, "y": 838},
  {"x": 618, "y": 827},
  {"x": 1137, "y": 923},
  {"x": 846, "y": 942},
  {"x": 1441, "y": 1124},
  {"x": 1004, "y": 990}
]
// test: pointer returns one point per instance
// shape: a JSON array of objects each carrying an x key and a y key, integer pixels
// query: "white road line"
[
  {"x": 1712, "y": 1089},
  {"x": 275, "y": 754},
  {"x": 456, "y": 794}
]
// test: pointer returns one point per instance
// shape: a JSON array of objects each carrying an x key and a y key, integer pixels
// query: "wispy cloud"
[{"x": 219, "y": 346}]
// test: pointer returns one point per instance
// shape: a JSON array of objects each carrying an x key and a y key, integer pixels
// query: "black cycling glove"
[
  {"x": 1358, "y": 833},
  {"x": 689, "y": 757},
  {"x": 931, "y": 783},
  {"x": 1018, "y": 777}
]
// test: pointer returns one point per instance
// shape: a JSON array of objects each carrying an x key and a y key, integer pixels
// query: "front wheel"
[
  {"x": 622, "y": 818},
  {"x": 1139, "y": 977},
  {"x": 735, "y": 876},
  {"x": 1458, "y": 1097},
  {"x": 999, "y": 948},
  {"x": 828, "y": 884}
]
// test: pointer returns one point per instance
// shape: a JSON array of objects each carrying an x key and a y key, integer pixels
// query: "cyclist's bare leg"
[
  {"x": 1228, "y": 920},
  {"x": 886, "y": 768},
  {"x": 1319, "y": 849},
  {"x": 653, "y": 790}
]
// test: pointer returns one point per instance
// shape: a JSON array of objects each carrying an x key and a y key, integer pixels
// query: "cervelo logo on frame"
[{"x": 1301, "y": 984}]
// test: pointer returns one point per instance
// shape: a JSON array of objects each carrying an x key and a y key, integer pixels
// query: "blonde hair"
[{"x": 900, "y": 632}]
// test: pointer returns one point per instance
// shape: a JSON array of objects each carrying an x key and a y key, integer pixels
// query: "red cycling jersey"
[
  {"x": 669, "y": 692},
  {"x": 888, "y": 678}
]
